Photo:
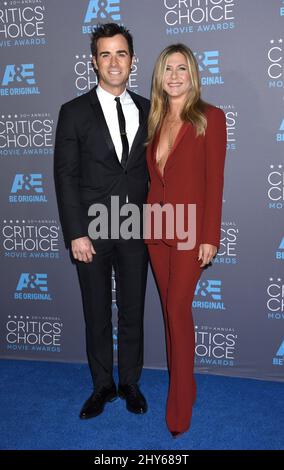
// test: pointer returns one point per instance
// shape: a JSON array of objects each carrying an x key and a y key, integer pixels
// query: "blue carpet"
[{"x": 40, "y": 403}]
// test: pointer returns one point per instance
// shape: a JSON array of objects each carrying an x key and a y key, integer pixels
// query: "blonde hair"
[{"x": 193, "y": 107}]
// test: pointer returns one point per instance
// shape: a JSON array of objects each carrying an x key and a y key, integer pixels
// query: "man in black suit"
[{"x": 100, "y": 153}]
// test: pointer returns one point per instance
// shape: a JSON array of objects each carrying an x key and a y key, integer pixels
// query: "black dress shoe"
[
  {"x": 135, "y": 401},
  {"x": 96, "y": 402}
]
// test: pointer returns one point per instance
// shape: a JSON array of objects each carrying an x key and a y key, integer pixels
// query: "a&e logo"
[
  {"x": 280, "y": 133},
  {"x": 19, "y": 80},
  {"x": 27, "y": 188},
  {"x": 279, "y": 359},
  {"x": 100, "y": 11},
  {"x": 209, "y": 291},
  {"x": 32, "y": 287},
  {"x": 208, "y": 63},
  {"x": 280, "y": 252},
  {"x": 23, "y": 73}
]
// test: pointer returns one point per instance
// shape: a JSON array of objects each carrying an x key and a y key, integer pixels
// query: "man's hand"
[
  {"x": 206, "y": 253},
  {"x": 82, "y": 249}
]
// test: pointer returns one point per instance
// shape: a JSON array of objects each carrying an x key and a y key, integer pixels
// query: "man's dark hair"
[{"x": 108, "y": 30}]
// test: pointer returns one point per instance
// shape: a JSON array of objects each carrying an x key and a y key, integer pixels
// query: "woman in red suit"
[{"x": 185, "y": 155}]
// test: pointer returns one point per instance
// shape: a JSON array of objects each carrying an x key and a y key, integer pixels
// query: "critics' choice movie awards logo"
[
  {"x": 231, "y": 125},
  {"x": 275, "y": 301},
  {"x": 275, "y": 191},
  {"x": 209, "y": 67},
  {"x": 280, "y": 132},
  {"x": 100, "y": 11},
  {"x": 33, "y": 333},
  {"x": 279, "y": 254},
  {"x": 278, "y": 360},
  {"x": 22, "y": 23},
  {"x": 189, "y": 16},
  {"x": 228, "y": 253},
  {"x": 208, "y": 295},
  {"x": 275, "y": 67},
  {"x": 36, "y": 239},
  {"x": 26, "y": 134},
  {"x": 85, "y": 77},
  {"x": 32, "y": 286},
  {"x": 215, "y": 346},
  {"x": 18, "y": 79},
  {"x": 27, "y": 188}
]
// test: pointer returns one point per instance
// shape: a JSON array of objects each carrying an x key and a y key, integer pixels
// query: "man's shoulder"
[
  {"x": 141, "y": 99},
  {"x": 78, "y": 102}
]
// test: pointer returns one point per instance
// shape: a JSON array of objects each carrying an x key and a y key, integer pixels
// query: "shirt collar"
[{"x": 106, "y": 96}]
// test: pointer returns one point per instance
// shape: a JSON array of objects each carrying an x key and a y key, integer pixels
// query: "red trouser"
[{"x": 177, "y": 273}]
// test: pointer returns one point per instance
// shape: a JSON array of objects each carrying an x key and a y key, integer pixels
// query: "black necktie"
[{"x": 122, "y": 128}]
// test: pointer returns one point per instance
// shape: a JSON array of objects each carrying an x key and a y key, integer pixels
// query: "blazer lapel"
[
  {"x": 102, "y": 122},
  {"x": 186, "y": 127},
  {"x": 140, "y": 135},
  {"x": 153, "y": 153}
]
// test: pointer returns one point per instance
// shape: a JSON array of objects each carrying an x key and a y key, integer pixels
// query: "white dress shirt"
[{"x": 131, "y": 114}]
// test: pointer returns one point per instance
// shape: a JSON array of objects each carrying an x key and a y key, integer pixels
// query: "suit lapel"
[
  {"x": 140, "y": 135},
  {"x": 153, "y": 152},
  {"x": 186, "y": 127},
  {"x": 99, "y": 115}
]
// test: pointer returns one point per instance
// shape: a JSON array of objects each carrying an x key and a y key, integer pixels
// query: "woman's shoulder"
[{"x": 212, "y": 111}]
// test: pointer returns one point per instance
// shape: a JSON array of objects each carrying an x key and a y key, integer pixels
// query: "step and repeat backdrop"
[{"x": 45, "y": 60}]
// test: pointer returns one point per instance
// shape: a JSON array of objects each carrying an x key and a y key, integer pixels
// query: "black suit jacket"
[{"x": 86, "y": 167}]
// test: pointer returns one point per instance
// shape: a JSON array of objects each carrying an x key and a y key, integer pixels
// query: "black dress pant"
[{"x": 130, "y": 261}]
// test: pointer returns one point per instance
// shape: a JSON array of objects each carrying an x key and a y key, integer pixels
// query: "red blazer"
[{"x": 193, "y": 174}]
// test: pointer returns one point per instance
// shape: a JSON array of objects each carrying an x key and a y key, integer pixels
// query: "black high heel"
[{"x": 175, "y": 434}]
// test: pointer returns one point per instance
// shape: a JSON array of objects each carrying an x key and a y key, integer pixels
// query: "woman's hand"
[{"x": 206, "y": 253}]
